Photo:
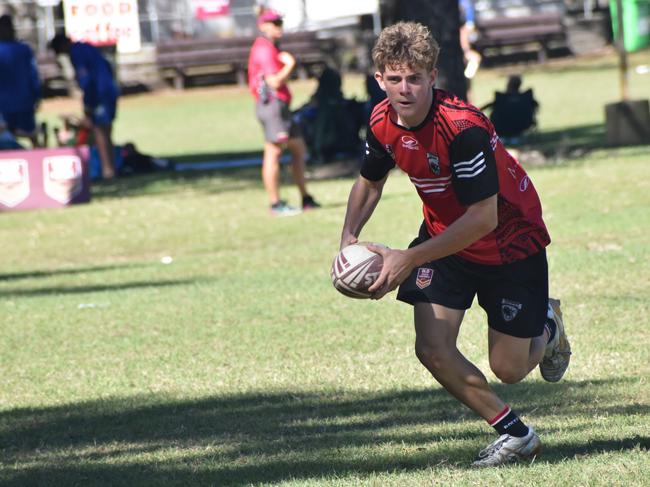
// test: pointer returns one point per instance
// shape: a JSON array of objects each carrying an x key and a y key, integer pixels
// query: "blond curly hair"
[{"x": 405, "y": 44}]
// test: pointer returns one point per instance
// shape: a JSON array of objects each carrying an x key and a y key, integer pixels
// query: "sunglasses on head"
[{"x": 277, "y": 23}]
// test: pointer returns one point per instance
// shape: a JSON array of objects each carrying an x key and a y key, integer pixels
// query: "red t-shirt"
[
  {"x": 454, "y": 158},
  {"x": 263, "y": 60}
]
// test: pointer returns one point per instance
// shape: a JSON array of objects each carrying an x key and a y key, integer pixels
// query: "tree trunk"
[{"x": 443, "y": 19}]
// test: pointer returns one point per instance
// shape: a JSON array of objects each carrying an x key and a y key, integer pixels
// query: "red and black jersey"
[{"x": 454, "y": 159}]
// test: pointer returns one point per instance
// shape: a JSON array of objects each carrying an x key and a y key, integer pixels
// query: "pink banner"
[
  {"x": 204, "y": 9},
  {"x": 43, "y": 178}
]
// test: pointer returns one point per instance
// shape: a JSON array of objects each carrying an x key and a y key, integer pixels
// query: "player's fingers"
[
  {"x": 377, "y": 285},
  {"x": 377, "y": 249}
]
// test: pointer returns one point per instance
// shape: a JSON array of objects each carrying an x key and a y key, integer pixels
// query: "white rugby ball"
[{"x": 355, "y": 269}]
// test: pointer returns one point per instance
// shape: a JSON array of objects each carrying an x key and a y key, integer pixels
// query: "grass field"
[{"x": 238, "y": 364}]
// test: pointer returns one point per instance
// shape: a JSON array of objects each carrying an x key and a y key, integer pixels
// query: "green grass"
[{"x": 238, "y": 364}]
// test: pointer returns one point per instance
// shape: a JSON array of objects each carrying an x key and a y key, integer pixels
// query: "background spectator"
[
  {"x": 20, "y": 85},
  {"x": 268, "y": 71},
  {"x": 513, "y": 112},
  {"x": 100, "y": 93}
]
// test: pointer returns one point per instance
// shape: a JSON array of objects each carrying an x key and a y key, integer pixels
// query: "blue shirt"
[
  {"x": 20, "y": 85},
  {"x": 94, "y": 74}
]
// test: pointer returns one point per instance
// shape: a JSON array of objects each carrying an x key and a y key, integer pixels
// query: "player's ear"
[
  {"x": 380, "y": 80},
  {"x": 432, "y": 76}
]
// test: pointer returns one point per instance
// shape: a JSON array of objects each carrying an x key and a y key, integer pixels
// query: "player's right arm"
[
  {"x": 363, "y": 199},
  {"x": 279, "y": 78},
  {"x": 367, "y": 189}
]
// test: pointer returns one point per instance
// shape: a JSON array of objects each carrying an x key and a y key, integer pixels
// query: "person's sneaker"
[
  {"x": 558, "y": 351},
  {"x": 309, "y": 203},
  {"x": 281, "y": 208},
  {"x": 508, "y": 449}
]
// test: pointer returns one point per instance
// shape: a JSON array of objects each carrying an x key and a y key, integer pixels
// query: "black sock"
[{"x": 507, "y": 422}]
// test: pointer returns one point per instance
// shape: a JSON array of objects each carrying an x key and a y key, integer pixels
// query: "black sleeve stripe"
[
  {"x": 444, "y": 133},
  {"x": 373, "y": 123}
]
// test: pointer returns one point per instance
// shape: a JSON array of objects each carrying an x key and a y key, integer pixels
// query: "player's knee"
[
  {"x": 432, "y": 356},
  {"x": 507, "y": 373}
]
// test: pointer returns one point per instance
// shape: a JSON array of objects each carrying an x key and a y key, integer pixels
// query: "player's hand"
[
  {"x": 287, "y": 59},
  {"x": 347, "y": 239},
  {"x": 396, "y": 268}
]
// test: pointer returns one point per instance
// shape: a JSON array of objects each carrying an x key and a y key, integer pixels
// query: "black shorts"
[
  {"x": 514, "y": 295},
  {"x": 277, "y": 121}
]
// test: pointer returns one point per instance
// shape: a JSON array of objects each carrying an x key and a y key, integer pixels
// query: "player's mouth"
[{"x": 404, "y": 104}]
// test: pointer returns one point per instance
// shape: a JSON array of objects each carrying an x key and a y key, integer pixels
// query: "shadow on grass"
[
  {"x": 248, "y": 438},
  {"x": 94, "y": 288},
  {"x": 66, "y": 271}
]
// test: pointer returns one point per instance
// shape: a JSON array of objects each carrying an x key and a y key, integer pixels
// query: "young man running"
[{"x": 483, "y": 235}]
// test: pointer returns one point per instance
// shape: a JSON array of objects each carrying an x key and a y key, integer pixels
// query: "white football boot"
[
  {"x": 558, "y": 351},
  {"x": 508, "y": 449}
]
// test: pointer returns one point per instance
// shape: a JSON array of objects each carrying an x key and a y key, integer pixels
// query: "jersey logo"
[
  {"x": 510, "y": 309},
  {"x": 409, "y": 143},
  {"x": 523, "y": 184},
  {"x": 424, "y": 277},
  {"x": 434, "y": 163},
  {"x": 471, "y": 168}
]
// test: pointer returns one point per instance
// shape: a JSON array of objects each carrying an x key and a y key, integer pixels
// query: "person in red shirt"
[
  {"x": 483, "y": 235},
  {"x": 268, "y": 71}
]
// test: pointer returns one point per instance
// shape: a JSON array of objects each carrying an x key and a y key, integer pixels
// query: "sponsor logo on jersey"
[
  {"x": 62, "y": 177},
  {"x": 409, "y": 143},
  {"x": 14, "y": 181},
  {"x": 434, "y": 163},
  {"x": 389, "y": 149},
  {"x": 510, "y": 309},
  {"x": 524, "y": 183},
  {"x": 512, "y": 172},
  {"x": 424, "y": 277}
]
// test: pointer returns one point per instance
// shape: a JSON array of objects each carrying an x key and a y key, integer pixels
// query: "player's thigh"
[
  {"x": 447, "y": 282},
  {"x": 296, "y": 146},
  {"x": 436, "y": 326},
  {"x": 274, "y": 122},
  {"x": 515, "y": 296}
]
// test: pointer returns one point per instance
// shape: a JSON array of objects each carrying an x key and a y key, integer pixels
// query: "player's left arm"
[{"x": 476, "y": 186}]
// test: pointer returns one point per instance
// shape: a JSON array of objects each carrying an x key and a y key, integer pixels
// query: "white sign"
[
  {"x": 318, "y": 10},
  {"x": 104, "y": 22}
]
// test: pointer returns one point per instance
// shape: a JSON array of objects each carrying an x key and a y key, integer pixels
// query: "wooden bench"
[
  {"x": 538, "y": 32},
  {"x": 181, "y": 59}
]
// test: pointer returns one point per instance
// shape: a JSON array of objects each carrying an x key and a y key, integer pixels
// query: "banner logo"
[
  {"x": 62, "y": 177},
  {"x": 14, "y": 181}
]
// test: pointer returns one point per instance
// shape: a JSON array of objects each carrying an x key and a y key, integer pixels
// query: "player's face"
[{"x": 410, "y": 92}]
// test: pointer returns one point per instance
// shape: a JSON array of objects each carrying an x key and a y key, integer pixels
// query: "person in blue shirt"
[
  {"x": 94, "y": 76},
  {"x": 20, "y": 85}
]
